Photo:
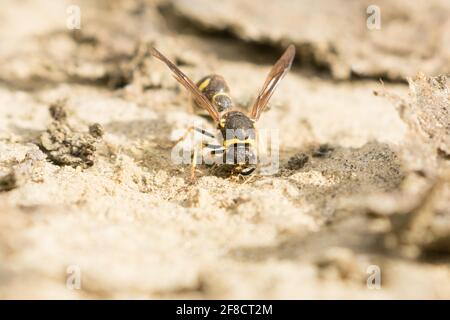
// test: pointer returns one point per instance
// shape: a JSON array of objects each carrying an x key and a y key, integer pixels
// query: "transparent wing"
[
  {"x": 277, "y": 73},
  {"x": 189, "y": 85}
]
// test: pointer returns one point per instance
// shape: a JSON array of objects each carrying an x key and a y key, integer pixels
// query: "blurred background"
[{"x": 359, "y": 209}]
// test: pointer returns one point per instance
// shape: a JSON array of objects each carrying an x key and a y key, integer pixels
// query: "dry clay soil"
[{"x": 87, "y": 185}]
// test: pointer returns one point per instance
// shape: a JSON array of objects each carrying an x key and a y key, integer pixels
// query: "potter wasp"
[{"x": 238, "y": 146}]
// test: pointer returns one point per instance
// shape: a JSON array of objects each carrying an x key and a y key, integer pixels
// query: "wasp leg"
[
  {"x": 194, "y": 164},
  {"x": 216, "y": 149},
  {"x": 192, "y": 128}
]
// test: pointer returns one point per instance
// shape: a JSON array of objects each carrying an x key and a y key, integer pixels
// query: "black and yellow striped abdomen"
[{"x": 217, "y": 91}]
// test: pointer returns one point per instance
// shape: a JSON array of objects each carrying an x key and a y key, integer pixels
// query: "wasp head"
[{"x": 239, "y": 135}]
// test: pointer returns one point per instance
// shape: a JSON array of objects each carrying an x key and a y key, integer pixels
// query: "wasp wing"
[
  {"x": 277, "y": 73},
  {"x": 189, "y": 85}
]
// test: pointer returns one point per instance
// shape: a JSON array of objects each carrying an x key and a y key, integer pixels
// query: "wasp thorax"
[{"x": 222, "y": 101}]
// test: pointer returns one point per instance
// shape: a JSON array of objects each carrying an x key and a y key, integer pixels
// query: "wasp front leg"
[
  {"x": 189, "y": 130},
  {"x": 194, "y": 164},
  {"x": 216, "y": 150}
]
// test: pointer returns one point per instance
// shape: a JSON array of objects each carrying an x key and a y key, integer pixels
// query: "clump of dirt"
[
  {"x": 430, "y": 109},
  {"x": 64, "y": 145},
  {"x": 8, "y": 182},
  {"x": 340, "y": 263},
  {"x": 426, "y": 226},
  {"x": 419, "y": 213},
  {"x": 298, "y": 161},
  {"x": 28, "y": 169},
  {"x": 323, "y": 151},
  {"x": 416, "y": 217},
  {"x": 426, "y": 113}
]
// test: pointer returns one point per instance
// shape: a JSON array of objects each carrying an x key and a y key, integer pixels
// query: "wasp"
[{"x": 237, "y": 130}]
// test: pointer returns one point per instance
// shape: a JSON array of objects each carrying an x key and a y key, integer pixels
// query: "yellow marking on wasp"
[
  {"x": 219, "y": 94},
  {"x": 204, "y": 84},
  {"x": 233, "y": 141},
  {"x": 222, "y": 123}
]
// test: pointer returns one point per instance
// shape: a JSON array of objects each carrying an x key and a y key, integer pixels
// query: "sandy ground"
[{"x": 88, "y": 188}]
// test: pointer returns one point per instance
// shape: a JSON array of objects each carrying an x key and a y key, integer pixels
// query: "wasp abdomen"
[{"x": 217, "y": 91}]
